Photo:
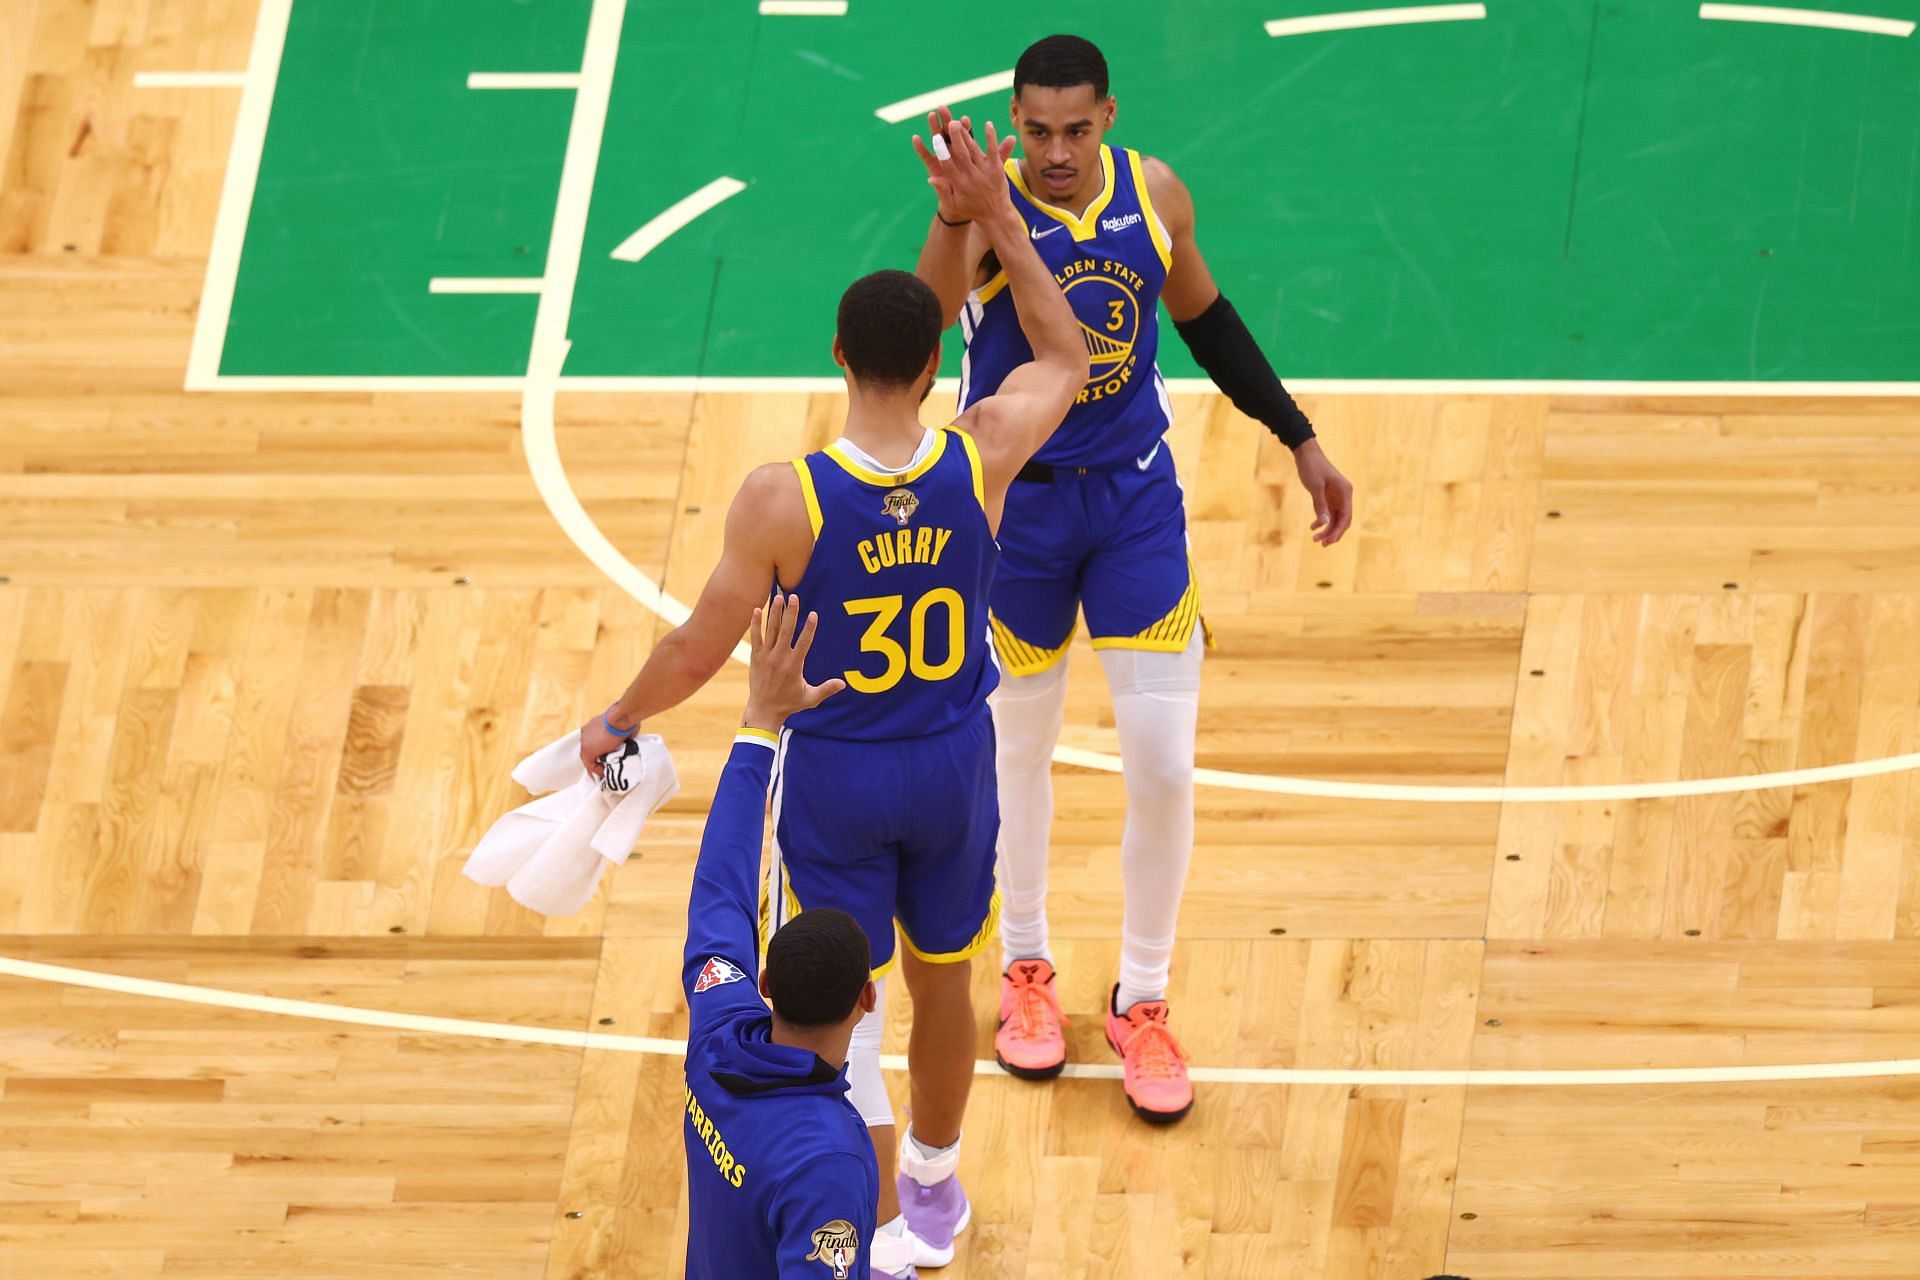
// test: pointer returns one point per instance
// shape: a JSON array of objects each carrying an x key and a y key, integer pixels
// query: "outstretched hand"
[
  {"x": 777, "y": 677},
  {"x": 971, "y": 183}
]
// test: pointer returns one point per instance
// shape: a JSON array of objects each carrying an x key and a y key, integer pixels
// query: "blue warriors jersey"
[
  {"x": 1111, "y": 262},
  {"x": 899, "y": 575},
  {"x": 781, "y": 1176}
]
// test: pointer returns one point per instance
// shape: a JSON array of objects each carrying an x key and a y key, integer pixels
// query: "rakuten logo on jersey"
[{"x": 1120, "y": 224}]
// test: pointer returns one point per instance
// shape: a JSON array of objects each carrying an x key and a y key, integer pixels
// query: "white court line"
[
  {"x": 548, "y": 353},
  {"x": 577, "y": 167},
  {"x": 485, "y": 284},
  {"x": 331, "y": 1012},
  {"x": 921, "y": 103},
  {"x": 1517, "y": 794},
  {"x": 1806, "y": 18},
  {"x": 803, "y": 8},
  {"x": 523, "y": 80},
  {"x": 1317, "y": 22},
  {"x": 674, "y": 217},
  {"x": 1176, "y": 386},
  {"x": 236, "y": 195},
  {"x": 429, "y": 1025},
  {"x": 189, "y": 79},
  {"x": 550, "y": 478}
]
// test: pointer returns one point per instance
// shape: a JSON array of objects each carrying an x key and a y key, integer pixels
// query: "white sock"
[
  {"x": 928, "y": 1166},
  {"x": 1026, "y": 723},
  {"x": 1156, "y": 708}
]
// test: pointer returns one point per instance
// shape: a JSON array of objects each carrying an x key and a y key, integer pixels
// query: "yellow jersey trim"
[
  {"x": 880, "y": 478},
  {"x": 1083, "y": 225},
  {"x": 981, "y": 938},
  {"x": 973, "y": 460},
  {"x": 790, "y": 905},
  {"x": 991, "y": 289},
  {"x": 1019, "y": 658},
  {"x": 814, "y": 517},
  {"x": 1161, "y": 242},
  {"x": 764, "y": 737},
  {"x": 791, "y": 908},
  {"x": 1173, "y": 632}
]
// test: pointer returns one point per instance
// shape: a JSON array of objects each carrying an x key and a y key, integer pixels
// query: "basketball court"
[{"x": 373, "y": 380}]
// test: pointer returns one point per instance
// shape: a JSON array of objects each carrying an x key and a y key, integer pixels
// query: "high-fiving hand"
[
  {"x": 971, "y": 183},
  {"x": 777, "y": 677},
  {"x": 937, "y": 121}
]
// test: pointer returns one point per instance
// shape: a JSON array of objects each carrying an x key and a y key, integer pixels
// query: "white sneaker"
[{"x": 893, "y": 1256}]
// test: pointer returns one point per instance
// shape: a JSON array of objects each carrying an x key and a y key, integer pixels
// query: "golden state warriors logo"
[
  {"x": 1106, "y": 300},
  {"x": 835, "y": 1246},
  {"x": 900, "y": 504}
]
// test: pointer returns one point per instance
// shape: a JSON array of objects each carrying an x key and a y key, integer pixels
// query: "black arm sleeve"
[{"x": 1219, "y": 340}]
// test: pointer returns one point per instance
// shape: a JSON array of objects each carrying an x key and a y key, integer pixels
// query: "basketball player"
[
  {"x": 1096, "y": 525},
  {"x": 884, "y": 800},
  {"x": 781, "y": 1179}
]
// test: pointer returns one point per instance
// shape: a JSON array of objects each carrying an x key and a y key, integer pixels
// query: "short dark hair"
[
  {"x": 889, "y": 324},
  {"x": 1061, "y": 62},
  {"x": 817, "y": 965}
]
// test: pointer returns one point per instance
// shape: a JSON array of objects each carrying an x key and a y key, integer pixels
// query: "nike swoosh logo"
[
  {"x": 1041, "y": 235},
  {"x": 1144, "y": 463}
]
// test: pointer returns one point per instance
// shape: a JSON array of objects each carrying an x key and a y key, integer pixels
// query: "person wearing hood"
[{"x": 781, "y": 1175}]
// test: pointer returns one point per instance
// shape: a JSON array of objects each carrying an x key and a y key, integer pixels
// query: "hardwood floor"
[{"x": 266, "y": 659}]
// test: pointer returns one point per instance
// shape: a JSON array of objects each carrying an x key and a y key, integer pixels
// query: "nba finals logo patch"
[
  {"x": 835, "y": 1246},
  {"x": 716, "y": 972},
  {"x": 900, "y": 504}
]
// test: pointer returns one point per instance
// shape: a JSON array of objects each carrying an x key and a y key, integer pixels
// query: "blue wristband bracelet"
[{"x": 607, "y": 724}]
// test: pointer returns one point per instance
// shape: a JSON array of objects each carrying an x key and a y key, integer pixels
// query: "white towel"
[{"x": 550, "y": 852}]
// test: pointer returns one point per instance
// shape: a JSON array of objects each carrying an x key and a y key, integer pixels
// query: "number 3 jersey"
[
  {"x": 899, "y": 575},
  {"x": 1111, "y": 261}
]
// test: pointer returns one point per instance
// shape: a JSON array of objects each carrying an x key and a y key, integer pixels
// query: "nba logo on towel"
[{"x": 716, "y": 972}]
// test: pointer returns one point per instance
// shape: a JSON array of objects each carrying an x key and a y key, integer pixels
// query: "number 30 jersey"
[{"x": 899, "y": 575}]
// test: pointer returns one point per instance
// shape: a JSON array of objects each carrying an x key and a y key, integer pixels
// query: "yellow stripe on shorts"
[
  {"x": 1174, "y": 630},
  {"x": 982, "y": 936},
  {"x": 1019, "y": 658}
]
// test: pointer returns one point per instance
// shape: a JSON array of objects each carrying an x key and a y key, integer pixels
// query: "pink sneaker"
[
  {"x": 1031, "y": 1040},
  {"x": 1154, "y": 1067}
]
